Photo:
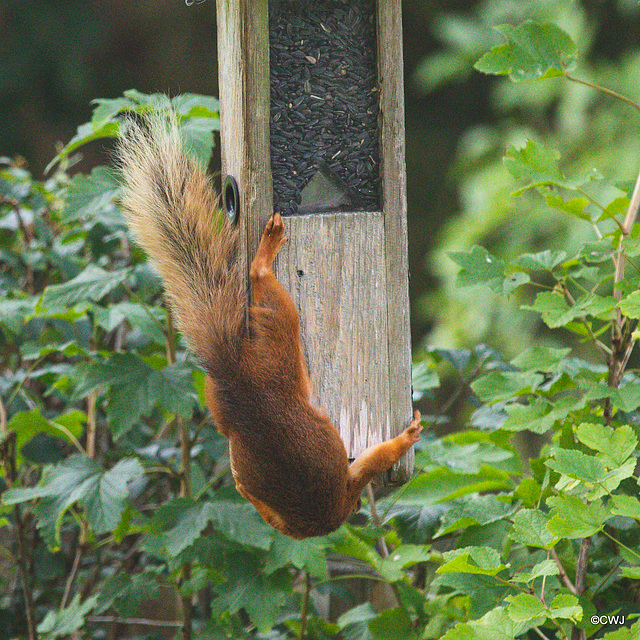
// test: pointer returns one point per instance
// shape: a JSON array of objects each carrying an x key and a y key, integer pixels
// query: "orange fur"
[{"x": 286, "y": 456}]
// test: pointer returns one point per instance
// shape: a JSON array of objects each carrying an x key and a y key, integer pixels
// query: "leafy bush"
[{"x": 117, "y": 488}]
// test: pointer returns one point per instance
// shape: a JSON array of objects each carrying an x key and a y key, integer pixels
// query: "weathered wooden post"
[{"x": 312, "y": 125}]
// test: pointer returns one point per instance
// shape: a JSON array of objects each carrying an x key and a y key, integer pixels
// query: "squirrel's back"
[{"x": 175, "y": 216}]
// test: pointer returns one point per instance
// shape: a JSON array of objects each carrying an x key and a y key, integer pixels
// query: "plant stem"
[
  {"x": 609, "y": 92},
  {"x": 8, "y": 456},
  {"x": 185, "y": 484},
  {"x": 305, "y": 604},
  {"x": 563, "y": 574},
  {"x": 141, "y": 621},
  {"x": 581, "y": 586}
]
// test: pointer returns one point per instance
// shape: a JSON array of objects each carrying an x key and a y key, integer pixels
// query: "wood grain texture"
[
  {"x": 333, "y": 267},
  {"x": 347, "y": 272},
  {"x": 394, "y": 206}
]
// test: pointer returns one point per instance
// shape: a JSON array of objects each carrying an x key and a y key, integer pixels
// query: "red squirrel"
[{"x": 286, "y": 456}]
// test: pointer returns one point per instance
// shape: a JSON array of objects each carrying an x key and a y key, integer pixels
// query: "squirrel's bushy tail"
[{"x": 174, "y": 213}]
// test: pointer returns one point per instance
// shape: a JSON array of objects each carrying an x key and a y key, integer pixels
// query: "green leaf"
[
  {"x": 443, "y": 484},
  {"x": 15, "y": 312},
  {"x": 628, "y": 506},
  {"x": 565, "y": 605},
  {"x": 545, "y": 260},
  {"x": 476, "y": 510},
  {"x": 544, "y": 568},
  {"x": 180, "y": 522},
  {"x": 392, "y": 624},
  {"x": 88, "y": 196},
  {"x": 67, "y": 621},
  {"x": 573, "y": 518},
  {"x": 86, "y": 133},
  {"x": 494, "y": 625},
  {"x": 125, "y": 592},
  {"x": 530, "y": 529},
  {"x": 79, "y": 479},
  {"x": 537, "y": 164},
  {"x": 406, "y": 555},
  {"x": 504, "y": 385},
  {"x": 615, "y": 445},
  {"x": 630, "y": 305},
  {"x": 574, "y": 206},
  {"x": 147, "y": 319},
  {"x": 479, "y": 268},
  {"x": 93, "y": 283},
  {"x": 480, "y": 560},
  {"x": 136, "y": 388},
  {"x": 576, "y": 464},
  {"x": 539, "y": 416},
  {"x": 554, "y": 309},
  {"x": 533, "y": 51},
  {"x": 307, "y": 554},
  {"x": 248, "y": 587},
  {"x": 361, "y": 613},
  {"x": 525, "y": 608},
  {"x": 27, "y": 424}
]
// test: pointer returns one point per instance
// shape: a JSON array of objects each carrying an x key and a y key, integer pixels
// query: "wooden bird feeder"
[{"x": 312, "y": 126}]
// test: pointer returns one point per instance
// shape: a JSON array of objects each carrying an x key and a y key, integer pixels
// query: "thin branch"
[
  {"x": 384, "y": 550},
  {"x": 8, "y": 456},
  {"x": 609, "y": 92},
  {"x": 563, "y": 574},
  {"x": 145, "y": 622},
  {"x": 305, "y": 604}
]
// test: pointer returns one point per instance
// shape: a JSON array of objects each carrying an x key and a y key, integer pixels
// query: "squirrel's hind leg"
[{"x": 275, "y": 326}]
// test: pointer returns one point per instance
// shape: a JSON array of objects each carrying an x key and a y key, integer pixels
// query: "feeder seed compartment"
[{"x": 324, "y": 106}]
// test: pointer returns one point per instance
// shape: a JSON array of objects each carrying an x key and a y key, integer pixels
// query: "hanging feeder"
[{"x": 312, "y": 126}]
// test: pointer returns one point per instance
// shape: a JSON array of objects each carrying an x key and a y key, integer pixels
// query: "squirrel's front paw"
[{"x": 412, "y": 432}]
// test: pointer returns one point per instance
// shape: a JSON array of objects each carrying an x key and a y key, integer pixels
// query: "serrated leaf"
[
  {"x": 147, "y": 319},
  {"x": 504, "y": 385},
  {"x": 525, "y": 607},
  {"x": 307, "y": 554},
  {"x": 565, "y": 605},
  {"x": 540, "y": 358},
  {"x": 125, "y": 592},
  {"x": 27, "y": 424},
  {"x": 544, "y": 260},
  {"x": 530, "y": 529},
  {"x": 574, "y": 206},
  {"x": 248, "y": 587},
  {"x": 630, "y": 305},
  {"x": 392, "y": 624},
  {"x": 88, "y": 196},
  {"x": 494, "y": 625},
  {"x": 553, "y": 308},
  {"x": 617, "y": 207},
  {"x": 533, "y": 51},
  {"x": 477, "y": 560},
  {"x": 93, "y": 283},
  {"x": 479, "y": 268},
  {"x": 544, "y": 568},
  {"x": 67, "y": 621},
  {"x": 136, "y": 388},
  {"x": 616, "y": 445},
  {"x": 628, "y": 506},
  {"x": 79, "y": 479},
  {"x": 537, "y": 164},
  {"x": 574, "y": 518},
  {"x": 182, "y": 521},
  {"x": 406, "y": 555},
  {"x": 478, "y": 510},
  {"x": 576, "y": 464}
]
